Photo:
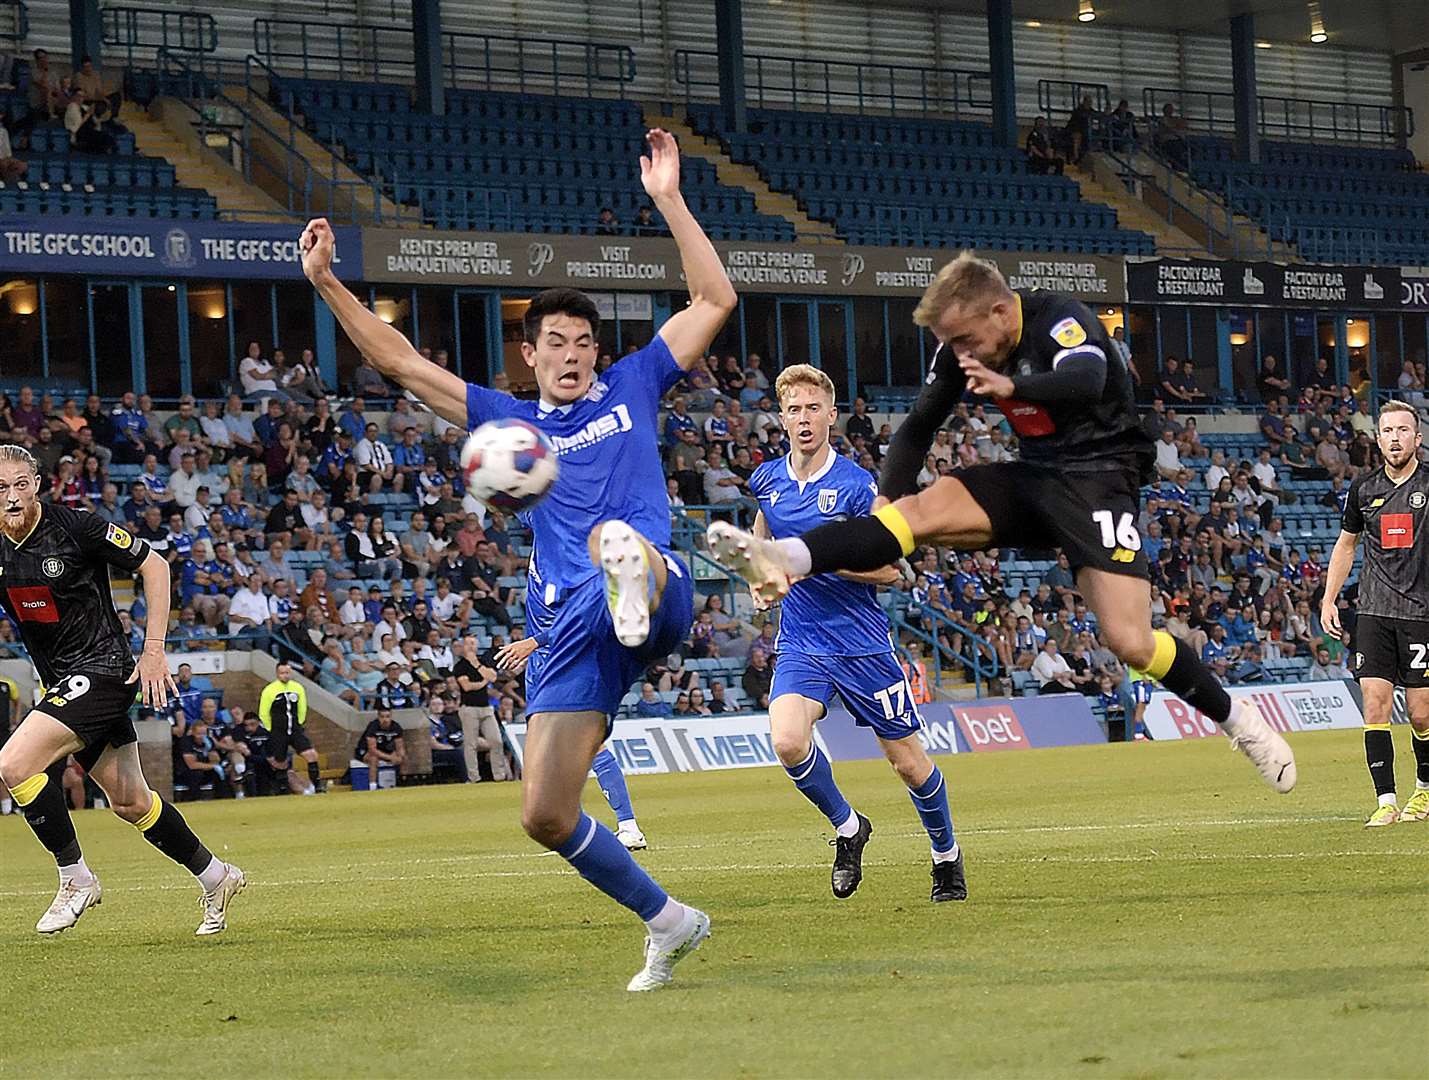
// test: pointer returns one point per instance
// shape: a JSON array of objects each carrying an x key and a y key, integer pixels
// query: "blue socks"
[
  {"x": 612, "y": 785},
  {"x": 930, "y": 799},
  {"x": 599, "y": 858},
  {"x": 814, "y": 776}
]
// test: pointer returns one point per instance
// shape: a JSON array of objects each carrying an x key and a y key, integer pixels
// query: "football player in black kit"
[
  {"x": 54, "y": 582},
  {"x": 1387, "y": 507},
  {"x": 1047, "y": 362}
]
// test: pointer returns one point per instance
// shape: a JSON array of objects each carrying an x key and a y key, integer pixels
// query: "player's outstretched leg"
[
  {"x": 612, "y": 786},
  {"x": 32, "y": 765},
  {"x": 117, "y": 771},
  {"x": 560, "y": 747},
  {"x": 634, "y": 578},
  {"x": 1122, "y": 605},
  {"x": 929, "y": 794},
  {"x": 791, "y": 726}
]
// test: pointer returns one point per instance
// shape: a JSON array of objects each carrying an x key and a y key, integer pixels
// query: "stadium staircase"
[
  {"x": 164, "y": 132},
  {"x": 735, "y": 175}
]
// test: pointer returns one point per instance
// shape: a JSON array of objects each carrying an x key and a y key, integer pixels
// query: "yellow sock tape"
[
  {"x": 894, "y": 521},
  {"x": 156, "y": 807},
  {"x": 27, "y": 791},
  {"x": 1162, "y": 658}
]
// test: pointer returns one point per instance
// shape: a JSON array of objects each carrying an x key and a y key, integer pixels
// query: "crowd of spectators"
[
  {"x": 85, "y": 102},
  {"x": 272, "y": 507}
]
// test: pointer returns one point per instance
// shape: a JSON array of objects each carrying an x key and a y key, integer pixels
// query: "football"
[{"x": 509, "y": 465}]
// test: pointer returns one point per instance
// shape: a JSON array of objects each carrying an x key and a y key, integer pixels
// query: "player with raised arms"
[
  {"x": 54, "y": 581},
  {"x": 1048, "y": 363},
  {"x": 602, "y": 558},
  {"x": 834, "y": 638},
  {"x": 1387, "y": 507}
]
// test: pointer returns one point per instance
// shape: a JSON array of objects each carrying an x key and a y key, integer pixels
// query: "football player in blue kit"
[
  {"x": 602, "y": 556},
  {"x": 834, "y": 638}
]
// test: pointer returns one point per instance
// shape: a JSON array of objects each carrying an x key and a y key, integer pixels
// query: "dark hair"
[{"x": 570, "y": 302}]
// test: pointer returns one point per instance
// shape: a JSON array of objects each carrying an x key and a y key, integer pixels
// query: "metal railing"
[
  {"x": 158, "y": 28},
  {"x": 1286, "y": 117},
  {"x": 268, "y": 157},
  {"x": 17, "y": 26},
  {"x": 1061, "y": 96},
  {"x": 375, "y": 53},
  {"x": 794, "y": 82},
  {"x": 979, "y": 661}
]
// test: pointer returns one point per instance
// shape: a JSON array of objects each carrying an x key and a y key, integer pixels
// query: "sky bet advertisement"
[{"x": 164, "y": 249}]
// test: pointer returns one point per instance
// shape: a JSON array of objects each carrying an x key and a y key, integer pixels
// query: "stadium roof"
[{"x": 1392, "y": 26}]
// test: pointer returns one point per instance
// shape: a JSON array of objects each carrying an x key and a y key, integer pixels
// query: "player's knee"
[
  {"x": 1133, "y": 645},
  {"x": 12, "y": 770},
  {"x": 130, "y": 806},
  {"x": 791, "y": 746},
  {"x": 548, "y": 826}
]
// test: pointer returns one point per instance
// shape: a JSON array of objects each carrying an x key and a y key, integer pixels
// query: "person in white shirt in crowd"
[
  {"x": 196, "y": 516},
  {"x": 450, "y": 610},
  {"x": 438, "y": 653},
  {"x": 1168, "y": 457},
  {"x": 1053, "y": 672},
  {"x": 1217, "y": 470},
  {"x": 184, "y": 482},
  {"x": 374, "y": 462},
  {"x": 215, "y": 431},
  {"x": 318, "y": 518},
  {"x": 258, "y": 377},
  {"x": 391, "y": 653},
  {"x": 241, "y": 433},
  {"x": 390, "y": 623},
  {"x": 275, "y": 565},
  {"x": 301, "y": 479},
  {"x": 249, "y": 614},
  {"x": 353, "y": 612}
]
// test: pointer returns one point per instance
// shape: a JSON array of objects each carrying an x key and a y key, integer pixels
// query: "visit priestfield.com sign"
[{"x": 653, "y": 263}]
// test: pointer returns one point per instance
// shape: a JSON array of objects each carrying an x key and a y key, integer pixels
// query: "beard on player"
[{"x": 19, "y": 492}]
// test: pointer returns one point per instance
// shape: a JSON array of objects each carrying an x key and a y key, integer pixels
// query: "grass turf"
[{"x": 1136, "y": 911}]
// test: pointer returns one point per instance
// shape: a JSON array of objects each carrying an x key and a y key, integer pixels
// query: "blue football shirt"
[
  {"x": 609, "y": 452},
  {"x": 825, "y": 614}
]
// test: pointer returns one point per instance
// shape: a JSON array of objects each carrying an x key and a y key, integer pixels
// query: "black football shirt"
[
  {"x": 55, "y": 585},
  {"x": 1391, "y": 518}
]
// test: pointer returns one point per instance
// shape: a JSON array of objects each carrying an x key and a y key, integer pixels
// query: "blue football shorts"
[{"x": 874, "y": 688}]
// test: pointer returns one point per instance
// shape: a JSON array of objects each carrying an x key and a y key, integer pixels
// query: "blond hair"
[
  {"x": 13, "y": 453},
  {"x": 802, "y": 375},
  {"x": 968, "y": 279},
  {"x": 1396, "y": 406}
]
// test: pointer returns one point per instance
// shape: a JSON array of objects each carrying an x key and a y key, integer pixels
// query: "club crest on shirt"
[
  {"x": 1068, "y": 333},
  {"x": 1416, "y": 500},
  {"x": 53, "y": 567},
  {"x": 828, "y": 497}
]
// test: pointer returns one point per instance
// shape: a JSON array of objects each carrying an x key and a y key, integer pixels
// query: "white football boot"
[
  {"x": 660, "y": 959},
  {"x": 1267, "y": 749},
  {"x": 627, "y": 582},
  {"x": 215, "y": 904},
  {"x": 72, "y": 901},
  {"x": 759, "y": 562}
]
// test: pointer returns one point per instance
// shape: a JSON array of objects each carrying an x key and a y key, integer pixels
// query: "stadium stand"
[
  {"x": 944, "y": 183},
  {"x": 534, "y": 162},
  {"x": 1335, "y": 203}
]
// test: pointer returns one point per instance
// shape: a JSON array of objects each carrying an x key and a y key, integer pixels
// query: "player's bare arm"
[
  {"x": 384, "y": 347},
  {"x": 152, "y": 668},
  {"x": 1342, "y": 558},
  {"x": 687, "y": 334}
]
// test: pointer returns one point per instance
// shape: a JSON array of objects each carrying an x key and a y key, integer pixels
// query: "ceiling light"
[
  {"x": 1085, "y": 11},
  {"x": 1263, "y": 45},
  {"x": 1033, "y": 23},
  {"x": 1317, "y": 24}
]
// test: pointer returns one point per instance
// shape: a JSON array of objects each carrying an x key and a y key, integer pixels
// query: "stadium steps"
[
  {"x": 743, "y": 177},
  {"x": 1247, "y": 235},
  {"x": 1101, "y": 185},
  {"x": 166, "y": 133},
  {"x": 353, "y": 188}
]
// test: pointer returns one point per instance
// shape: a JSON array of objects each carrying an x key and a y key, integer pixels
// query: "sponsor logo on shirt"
[
  {"x": 1027, "y": 418},
  {"x": 118, "y": 537},
  {"x": 615, "y": 422},
  {"x": 33, "y": 603},
  {"x": 1396, "y": 530},
  {"x": 1068, "y": 333}
]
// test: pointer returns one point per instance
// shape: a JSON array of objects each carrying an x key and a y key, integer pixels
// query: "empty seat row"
[
  {"x": 147, "y": 204},
  {"x": 78, "y": 169},
  {"x": 1016, "y": 189}
]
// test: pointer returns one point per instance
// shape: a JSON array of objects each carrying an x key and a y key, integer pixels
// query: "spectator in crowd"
[
  {"x": 481, "y": 732},
  {"x": 1170, "y": 138},
  {"x": 1054, "y": 675},
  {"x": 606, "y": 223},
  {"x": 11, "y": 167},
  {"x": 650, "y": 705},
  {"x": 1042, "y": 159},
  {"x": 446, "y": 738},
  {"x": 257, "y": 376},
  {"x": 1325, "y": 669}
]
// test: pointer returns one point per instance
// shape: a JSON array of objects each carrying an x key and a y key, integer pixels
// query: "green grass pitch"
[{"x": 1136, "y": 911}]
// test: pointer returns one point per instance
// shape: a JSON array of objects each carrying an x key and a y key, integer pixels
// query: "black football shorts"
[
  {"x": 1089, "y": 515},
  {"x": 94, "y": 707},
  {"x": 281, "y": 741},
  {"x": 1396, "y": 650}
]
